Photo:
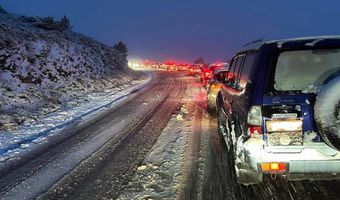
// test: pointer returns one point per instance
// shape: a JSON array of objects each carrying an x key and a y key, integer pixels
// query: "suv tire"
[{"x": 327, "y": 113}]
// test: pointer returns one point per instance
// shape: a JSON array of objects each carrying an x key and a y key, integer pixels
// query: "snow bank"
[{"x": 16, "y": 141}]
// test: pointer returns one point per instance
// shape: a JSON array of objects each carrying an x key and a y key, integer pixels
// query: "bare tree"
[
  {"x": 120, "y": 46},
  {"x": 2, "y": 10},
  {"x": 199, "y": 61}
]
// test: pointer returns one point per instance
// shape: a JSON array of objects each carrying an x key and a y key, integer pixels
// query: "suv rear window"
[{"x": 302, "y": 69}]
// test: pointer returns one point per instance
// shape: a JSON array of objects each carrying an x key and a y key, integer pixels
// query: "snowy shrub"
[
  {"x": 49, "y": 23},
  {"x": 29, "y": 19},
  {"x": 64, "y": 24},
  {"x": 46, "y": 23}
]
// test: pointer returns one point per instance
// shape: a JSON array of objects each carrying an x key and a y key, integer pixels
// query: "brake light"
[
  {"x": 273, "y": 167},
  {"x": 255, "y": 129},
  {"x": 215, "y": 86},
  {"x": 230, "y": 76}
]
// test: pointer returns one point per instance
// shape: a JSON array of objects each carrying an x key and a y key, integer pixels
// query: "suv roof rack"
[{"x": 253, "y": 44}]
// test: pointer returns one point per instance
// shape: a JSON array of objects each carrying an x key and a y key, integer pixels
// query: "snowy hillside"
[{"x": 41, "y": 70}]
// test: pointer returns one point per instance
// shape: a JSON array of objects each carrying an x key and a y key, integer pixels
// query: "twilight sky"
[{"x": 183, "y": 30}]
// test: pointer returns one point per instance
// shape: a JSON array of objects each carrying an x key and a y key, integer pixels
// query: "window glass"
[
  {"x": 300, "y": 70},
  {"x": 232, "y": 67},
  {"x": 246, "y": 70},
  {"x": 236, "y": 69}
]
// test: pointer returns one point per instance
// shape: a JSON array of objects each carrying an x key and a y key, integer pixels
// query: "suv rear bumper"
[
  {"x": 311, "y": 161},
  {"x": 314, "y": 166}
]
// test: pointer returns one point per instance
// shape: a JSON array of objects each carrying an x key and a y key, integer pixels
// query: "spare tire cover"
[{"x": 327, "y": 112}]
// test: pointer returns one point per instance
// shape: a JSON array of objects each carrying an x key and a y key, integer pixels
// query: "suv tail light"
[
  {"x": 215, "y": 86},
  {"x": 254, "y": 120},
  {"x": 278, "y": 167}
]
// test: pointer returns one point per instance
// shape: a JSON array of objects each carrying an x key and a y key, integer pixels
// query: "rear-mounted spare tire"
[{"x": 327, "y": 112}]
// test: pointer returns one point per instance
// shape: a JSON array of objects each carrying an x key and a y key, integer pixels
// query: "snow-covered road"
[
  {"x": 157, "y": 143},
  {"x": 172, "y": 168},
  {"x": 137, "y": 121}
]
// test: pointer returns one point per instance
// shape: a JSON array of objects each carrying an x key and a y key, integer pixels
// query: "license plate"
[
  {"x": 284, "y": 115},
  {"x": 284, "y": 125},
  {"x": 284, "y": 132}
]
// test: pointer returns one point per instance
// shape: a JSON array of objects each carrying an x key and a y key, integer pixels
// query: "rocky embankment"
[{"x": 41, "y": 69}]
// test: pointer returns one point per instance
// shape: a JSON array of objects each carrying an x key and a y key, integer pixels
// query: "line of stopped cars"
[{"x": 278, "y": 109}]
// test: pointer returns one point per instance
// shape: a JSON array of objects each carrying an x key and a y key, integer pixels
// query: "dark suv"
[{"x": 279, "y": 110}]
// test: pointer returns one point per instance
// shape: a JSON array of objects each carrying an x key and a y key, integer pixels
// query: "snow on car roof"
[{"x": 313, "y": 40}]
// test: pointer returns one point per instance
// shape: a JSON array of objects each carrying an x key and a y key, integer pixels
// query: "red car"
[
  {"x": 193, "y": 70},
  {"x": 171, "y": 66},
  {"x": 207, "y": 71},
  {"x": 183, "y": 67},
  {"x": 206, "y": 75}
]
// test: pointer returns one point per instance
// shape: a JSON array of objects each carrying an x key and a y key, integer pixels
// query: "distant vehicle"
[
  {"x": 213, "y": 86},
  {"x": 278, "y": 111},
  {"x": 200, "y": 66},
  {"x": 216, "y": 66},
  {"x": 163, "y": 66},
  {"x": 207, "y": 72},
  {"x": 171, "y": 66},
  {"x": 193, "y": 70},
  {"x": 183, "y": 67}
]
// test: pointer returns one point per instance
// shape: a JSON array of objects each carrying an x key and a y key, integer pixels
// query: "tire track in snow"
[
  {"x": 19, "y": 179},
  {"x": 192, "y": 167},
  {"x": 104, "y": 175}
]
